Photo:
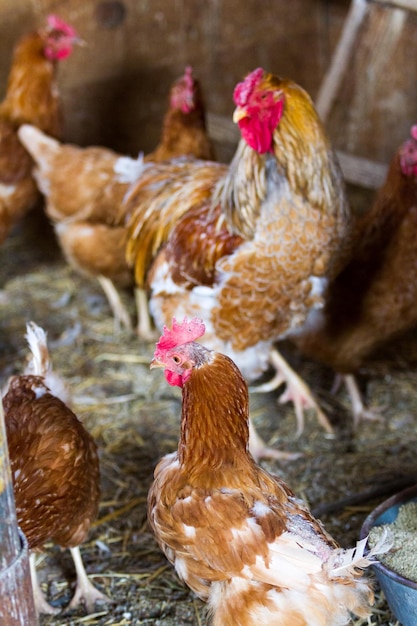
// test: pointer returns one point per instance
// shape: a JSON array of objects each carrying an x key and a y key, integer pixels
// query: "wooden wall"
[{"x": 115, "y": 88}]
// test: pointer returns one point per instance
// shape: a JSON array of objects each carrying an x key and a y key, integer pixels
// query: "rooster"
[
  {"x": 54, "y": 465},
  {"x": 249, "y": 247},
  {"x": 374, "y": 298},
  {"x": 31, "y": 97},
  {"x": 238, "y": 536},
  {"x": 84, "y": 189}
]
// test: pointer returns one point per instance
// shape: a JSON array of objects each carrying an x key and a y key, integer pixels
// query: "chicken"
[
  {"x": 184, "y": 126},
  {"x": 238, "y": 536},
  {"x": 248, "y": 247},
  {"x": 31, "y": 97},
  {"x": 374, "y": 298},
  {"x": 84, "y": 189},
  {"x": 54, "y": 465}
]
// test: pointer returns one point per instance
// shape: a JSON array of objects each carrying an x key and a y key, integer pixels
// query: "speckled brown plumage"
[
  {"x": 282, "y": 220},
  {"x": 54, "y": 464}
]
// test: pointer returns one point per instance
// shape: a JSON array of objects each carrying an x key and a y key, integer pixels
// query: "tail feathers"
[
  {"x": 40, "y": 363},
  {"x": 128, "y": 170},
  {"x": 39, "y": 145},
  {"x": 345, "y": 562}
]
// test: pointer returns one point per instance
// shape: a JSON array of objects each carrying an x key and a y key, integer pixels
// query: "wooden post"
[{"x": 17, "y": 607}]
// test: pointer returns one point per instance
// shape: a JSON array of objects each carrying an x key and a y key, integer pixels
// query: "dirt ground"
[{"x": 134, "y": 416}]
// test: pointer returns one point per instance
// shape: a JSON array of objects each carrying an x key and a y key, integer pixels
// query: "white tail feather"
[
  {"x": 40, "y": 363},
  {"x": 37, "y": 143},
  {"x": 344, "y": 562},
  {"x": 128, "y": 170}
]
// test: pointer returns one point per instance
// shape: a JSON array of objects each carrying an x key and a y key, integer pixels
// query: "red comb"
[
  {"x": 244, "y": 89},
  {"x": 180, "y": 333},
  {"x": 55, "y": 23},
  {"x": 414, "y": 131}
]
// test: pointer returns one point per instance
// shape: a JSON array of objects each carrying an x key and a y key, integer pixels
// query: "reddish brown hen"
[
  {"x": 184, "y": 128},
  {"x": 54, "y": 465},
  {"x": 249, "y": 246},
  {"x": 32, "y": 97},
  {"x": 375, "y": 298},
  {"x": 237, "y": 535},
  {"x": 84, "y": 189}
]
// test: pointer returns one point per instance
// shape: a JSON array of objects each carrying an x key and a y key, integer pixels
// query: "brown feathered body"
[
  {"x": 375, "y": 298},
  {"x": 84, "y": 187},
  {"x": 248, "y": 247},
  {"x": 32, "y": 97},
  {"x": 54, "y": 464},
  {"x": 83, "y": 197},
  {"x": 238, "y": 536}
]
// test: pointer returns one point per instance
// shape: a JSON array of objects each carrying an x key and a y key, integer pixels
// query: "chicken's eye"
[{"x": 176, "y": 359}]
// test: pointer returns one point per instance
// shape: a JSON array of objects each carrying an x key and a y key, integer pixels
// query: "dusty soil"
[{"x": 134, "y": 416}]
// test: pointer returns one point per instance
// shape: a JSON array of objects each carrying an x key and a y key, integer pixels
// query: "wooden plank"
[
  {"x": 360, "y": 171},
  {"x": 337, "y": 70},
  {"x": 409, "y": 5}
]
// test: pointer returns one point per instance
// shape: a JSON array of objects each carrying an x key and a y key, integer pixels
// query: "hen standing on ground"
[
  {"x": 250, "y": 247},
  {"x": 55, "y": 467},
  {"x": 237, "y": 535},
  {"x": 32, "y": 97},
  {"x": 84, "y": 189},
  {"x": 375, "y": 297}
]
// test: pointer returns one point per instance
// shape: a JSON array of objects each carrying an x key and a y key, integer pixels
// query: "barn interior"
[{"x": 358, "y": 61}]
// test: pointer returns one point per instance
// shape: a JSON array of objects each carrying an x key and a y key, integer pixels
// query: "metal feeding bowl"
[{"x": 400, "y": 592}]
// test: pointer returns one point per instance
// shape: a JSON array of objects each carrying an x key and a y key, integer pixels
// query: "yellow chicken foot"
[
  {"x": 297, "y": 391},
  {"x": 121, "y": 315}
]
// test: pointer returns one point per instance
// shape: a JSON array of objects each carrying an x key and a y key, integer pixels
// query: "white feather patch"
[
  {"x": 343, "y": 562},
  {"x": 128, "y": 170}
]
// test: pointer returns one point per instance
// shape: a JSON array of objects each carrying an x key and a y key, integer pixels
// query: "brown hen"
[
  {"x": 84, "y": 189},
  {"x": 54, "y": 465},
  {"x": 32, "y": 97},
  {"x": 374, "y": 298},
  {"x": 238, "y": 536},
  {"x": 248, "y": 247}
]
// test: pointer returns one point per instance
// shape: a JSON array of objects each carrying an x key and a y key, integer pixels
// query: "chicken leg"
[
  {"x": 41, "y": 604},
  {"x": 296, "y": 391},
  {"x": 85, "y": 590}
]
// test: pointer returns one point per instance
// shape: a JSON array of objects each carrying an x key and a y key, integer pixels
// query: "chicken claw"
[
  {"x": 259, "y": 449},
  {"x": 85, "y": 590},
  {"x": 297, "y": 391}
]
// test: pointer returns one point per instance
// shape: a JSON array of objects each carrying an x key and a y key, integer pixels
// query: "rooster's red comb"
[
  {"x": 180, "y": 333},
  {"x": 244, "y": 89}
]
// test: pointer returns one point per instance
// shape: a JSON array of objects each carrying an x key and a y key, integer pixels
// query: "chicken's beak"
[
  {"x": 155, "y": 363},
  {"x": 239, "y": 114}
]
